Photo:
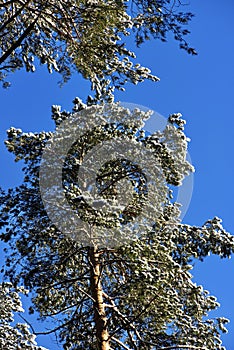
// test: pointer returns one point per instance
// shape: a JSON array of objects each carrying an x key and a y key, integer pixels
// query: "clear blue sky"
[{"x": 201, "y": 88}]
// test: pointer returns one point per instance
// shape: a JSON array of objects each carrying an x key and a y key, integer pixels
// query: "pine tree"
[{"x": 122, "y": 280}]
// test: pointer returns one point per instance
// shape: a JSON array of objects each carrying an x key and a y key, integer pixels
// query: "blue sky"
[{"x": 200, "y": 87}]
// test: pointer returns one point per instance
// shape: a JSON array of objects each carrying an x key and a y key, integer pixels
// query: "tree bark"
[{"x": 100, "y": 318}]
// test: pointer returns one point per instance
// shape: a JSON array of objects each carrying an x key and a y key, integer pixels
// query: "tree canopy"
[
  {"x": 93, "y": 291},
  {"x": 86, "y": 36}
]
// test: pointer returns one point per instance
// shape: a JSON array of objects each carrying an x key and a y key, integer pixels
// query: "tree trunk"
[{"x": 100, "y": 318}]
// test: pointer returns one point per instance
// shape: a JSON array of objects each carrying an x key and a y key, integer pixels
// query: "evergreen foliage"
[
  {"x": 86, "y": 36},
  {"x": 15, "y": 336},
  {"x": 139, "y": 295}
]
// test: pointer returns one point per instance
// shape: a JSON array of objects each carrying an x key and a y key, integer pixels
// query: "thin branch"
[
  {"x": 120, "y": 343},
  {"x": 57, "y": 328},
  {"x": 66, "y": 281},
  {"x": 124, "y": 318},
  {"x": 8, "y": 67},
  {"x": 177, "y": 347},
  {"x": 88, "y": 295},
  {"x": 30, "y": 325},
  {"x": 132, "y": 340},
  {"x": 60, "y": 311}
]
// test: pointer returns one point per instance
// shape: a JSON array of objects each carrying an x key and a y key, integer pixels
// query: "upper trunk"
[{"x": 99, "y": 308}]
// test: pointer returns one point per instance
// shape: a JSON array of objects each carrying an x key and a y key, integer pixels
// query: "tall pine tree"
[{"x": 137, "y": 294}]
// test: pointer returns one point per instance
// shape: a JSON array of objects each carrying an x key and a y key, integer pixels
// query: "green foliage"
[
  {"x": 85, "y": 36},
  {"x": 150, "y": 299},
  {"x": 15, "y": 336}
]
